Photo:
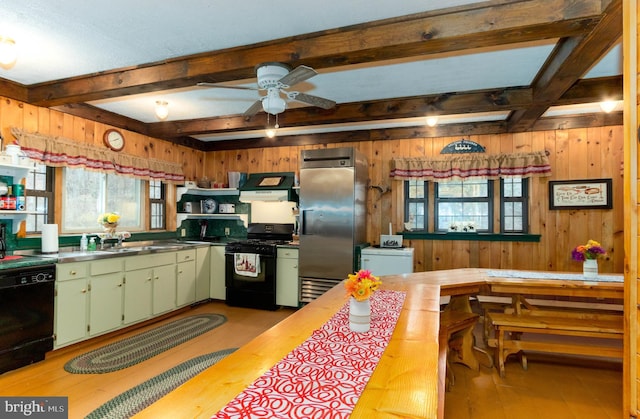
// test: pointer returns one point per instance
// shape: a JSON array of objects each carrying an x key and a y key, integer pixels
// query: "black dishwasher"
[{"x": 26, "y": 315}]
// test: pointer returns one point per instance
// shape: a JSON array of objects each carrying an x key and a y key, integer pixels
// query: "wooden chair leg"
[{"x": 500, "y": 352}]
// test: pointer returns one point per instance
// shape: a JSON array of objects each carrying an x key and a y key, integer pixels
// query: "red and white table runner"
[{"x": 325, "y": 375}]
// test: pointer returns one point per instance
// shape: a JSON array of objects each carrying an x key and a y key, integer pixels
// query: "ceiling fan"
[{"x": 276, "y": 78}]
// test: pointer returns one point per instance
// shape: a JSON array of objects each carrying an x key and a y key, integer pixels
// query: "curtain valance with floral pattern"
[
  {"x": 471, "y": 165},
  {"x": 57, "y": 151}
]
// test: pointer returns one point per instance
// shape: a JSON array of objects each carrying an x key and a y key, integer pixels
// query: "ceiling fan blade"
[
  {"x": 297, "y": 75},
  {"x": 223, "y": 86},
  {"x": 253, "y": 109},
  {"x": 311, "y": 100}
]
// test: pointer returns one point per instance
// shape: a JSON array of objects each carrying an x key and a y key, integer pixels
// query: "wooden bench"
[
  {"x": 460, "y": 324},
  {"x": 602, "y": 328}
]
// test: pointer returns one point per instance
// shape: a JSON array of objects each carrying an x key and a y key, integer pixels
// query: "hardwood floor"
[
  {"x": 87, "y": 392},
  {"x": 553, "y": 387},
  {"x": 549, "y": 389}
]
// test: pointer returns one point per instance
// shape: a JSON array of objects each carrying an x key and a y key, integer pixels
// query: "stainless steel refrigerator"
[{"x": 333, "y": 187}]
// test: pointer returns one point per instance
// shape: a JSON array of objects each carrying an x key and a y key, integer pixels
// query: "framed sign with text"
[{"x": 580, "y": 194}]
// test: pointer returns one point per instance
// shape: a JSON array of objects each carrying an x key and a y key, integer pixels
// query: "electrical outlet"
[
  {"x": 227, "y": 231},
  {"x": 183, "y": 232}
]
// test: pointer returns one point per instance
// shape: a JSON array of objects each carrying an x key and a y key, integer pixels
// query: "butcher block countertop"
[{"x": 405, "y": 382}]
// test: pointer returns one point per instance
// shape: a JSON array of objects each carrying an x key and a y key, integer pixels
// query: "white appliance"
[{"x": 387, "y": 261}]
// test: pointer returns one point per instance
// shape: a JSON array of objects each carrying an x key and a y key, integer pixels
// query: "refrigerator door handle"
[{"x": 303, "y": 222}]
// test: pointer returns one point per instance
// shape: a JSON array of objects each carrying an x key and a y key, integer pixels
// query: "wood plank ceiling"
[{"x": 585, "y": 31}]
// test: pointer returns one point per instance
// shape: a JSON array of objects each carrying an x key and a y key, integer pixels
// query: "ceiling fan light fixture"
[
  {"x": 432, "y": 121},
  {"x": 8, "y": 51},
  {"x": 271, "y": 132},
  {"x": 272, "y": 103},
  {"x": 162, "y": 109},
  {"x": 608, "y": 105}
]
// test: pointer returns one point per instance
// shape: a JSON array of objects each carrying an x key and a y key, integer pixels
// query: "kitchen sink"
[
  {"x": 123, "y": 249},
  {"x": 149, "y": 248}
]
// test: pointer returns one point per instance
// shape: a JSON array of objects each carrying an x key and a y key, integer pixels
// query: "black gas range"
[{"x": 250, "y": 266}]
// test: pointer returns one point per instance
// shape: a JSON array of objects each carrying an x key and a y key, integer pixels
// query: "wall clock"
[
  {"x": 209, "y": 206},
  {"x": 113, "y": 139}
]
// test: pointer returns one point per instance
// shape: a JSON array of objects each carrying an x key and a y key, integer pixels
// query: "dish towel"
[{"x": 247, "y": 264}]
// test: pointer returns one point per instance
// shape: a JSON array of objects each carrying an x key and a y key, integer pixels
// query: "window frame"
[
  {"x": 418, "y": 201},
  {"x": 48, "y": 193},
  {"x": 162, "y": 202},
  {"x": 489, "y": 200},
  {"x": 525, "y": 207},
  {"x": 141, "y": 197}
]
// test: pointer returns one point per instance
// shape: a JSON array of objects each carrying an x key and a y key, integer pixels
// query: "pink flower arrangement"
[
  {"x": 362, "y": 284},
  {"x": 591, "y": 250}
]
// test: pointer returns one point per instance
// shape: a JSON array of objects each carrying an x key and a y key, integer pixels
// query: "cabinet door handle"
[
  {"x": 84, "y": 291},
  {"x": 120, "y": 284},
  {"x": 156, "y": 277},
  {"x": 149, "y": 279},
  {"x": 72, "y": 272}
]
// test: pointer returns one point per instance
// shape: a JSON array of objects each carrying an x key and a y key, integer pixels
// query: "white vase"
[
  {"x": 590, "y": 268},
  {"x": 359, "y": 315}
]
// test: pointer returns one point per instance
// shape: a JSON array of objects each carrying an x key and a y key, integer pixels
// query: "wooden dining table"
[{"x": 405, "y": 381}]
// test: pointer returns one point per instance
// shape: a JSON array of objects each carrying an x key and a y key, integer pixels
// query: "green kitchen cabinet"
[
  {"x": 71, "y": 301},
  {"x": 105, "y": 295},
  {"x": 161, "y": 268},
  {"x": 137, "y": 294},
  {"x": 203, "y": 272},
  {"x": 185, "y": 277},
  {"x": 218, "y": 290},
  {"x": 287, "y": 277},
  {"x": 164, "y": 289}
]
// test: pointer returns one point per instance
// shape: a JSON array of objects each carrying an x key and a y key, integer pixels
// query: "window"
[
  {"x": 515, "y": 209},
  {"x": 87, "y": 194},
  {"x": 460, "y": 203},
  {"x": 39, "y": 191},
  {"x": 157, "y": 205},
  {"x": 464, "y": 202},
  {"x": 415, "y": 209}
]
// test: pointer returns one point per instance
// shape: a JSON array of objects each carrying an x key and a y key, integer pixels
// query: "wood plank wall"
[
  {"x": 631, "y": 76},
  {"x": 575, "y": 154},
  {"x": 57, "y": 124}
]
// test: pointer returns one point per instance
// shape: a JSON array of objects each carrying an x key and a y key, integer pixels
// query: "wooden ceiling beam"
[
  {"x": 376, "y": 110},
  {"x": 449, "y": 130},
  {"x": 488, "y": 24},
  {"x": 570, "y": 60},
  {"x": 585, "y": 91}
]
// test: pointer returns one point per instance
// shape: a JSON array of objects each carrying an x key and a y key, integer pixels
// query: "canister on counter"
[{"x": 18, "y": 192}]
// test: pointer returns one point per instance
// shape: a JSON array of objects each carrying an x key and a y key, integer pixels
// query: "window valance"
[
  {"x": 57, "y": 151},
  {"x": 471, "y": 165}
]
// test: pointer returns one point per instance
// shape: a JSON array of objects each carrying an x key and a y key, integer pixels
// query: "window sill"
[{"x": 491, "y": 237}]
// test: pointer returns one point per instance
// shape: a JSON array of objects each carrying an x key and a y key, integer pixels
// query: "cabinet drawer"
[
  {"x": 132, "y": 263},
  {"x": 287, "y": 253},
  {"x": 73, "y": 270},
  {"x": 186, "y": 255},
  {"x": 107, "y": 266}
]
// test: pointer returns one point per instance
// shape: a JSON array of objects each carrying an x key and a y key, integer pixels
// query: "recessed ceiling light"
[
  {"x": 432, "y": 121},
  {"x": 8, "y": 51},
  {"x": 162, "y": 109},
  {"x": 608, "y": 105}
]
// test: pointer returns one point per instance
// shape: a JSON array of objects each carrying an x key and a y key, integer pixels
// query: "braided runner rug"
[
  {"x": 143, "y": 395},
  {"x": 133, "y": 350}
]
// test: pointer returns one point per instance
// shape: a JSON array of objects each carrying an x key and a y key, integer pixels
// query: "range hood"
[{"x": 276, "y": 186}]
